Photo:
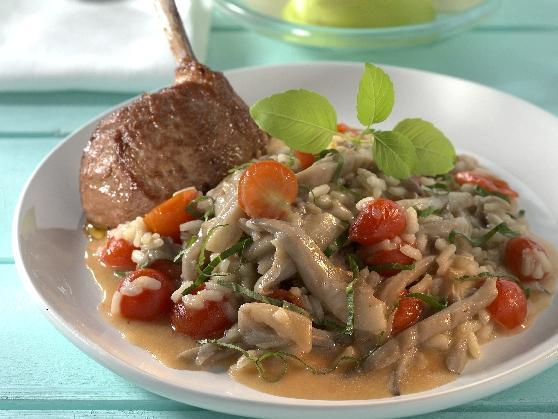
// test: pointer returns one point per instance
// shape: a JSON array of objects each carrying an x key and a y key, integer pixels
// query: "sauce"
[
  {"x": 147, "y": 335},
  {"x": 427, "y": 371}
]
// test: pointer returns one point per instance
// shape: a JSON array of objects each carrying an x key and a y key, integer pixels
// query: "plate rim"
[{"x": 414, "y": 403}]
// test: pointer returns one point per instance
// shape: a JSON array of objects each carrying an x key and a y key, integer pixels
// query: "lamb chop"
[{"x": 189, "y": 134}]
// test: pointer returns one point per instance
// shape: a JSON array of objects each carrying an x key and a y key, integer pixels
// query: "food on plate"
[
  {"x": 359, "y": 262},
  {"x": 189, "y": 134}
]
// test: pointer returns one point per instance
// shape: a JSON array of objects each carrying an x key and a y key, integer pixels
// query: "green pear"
[{"x": 359, "y": 13}]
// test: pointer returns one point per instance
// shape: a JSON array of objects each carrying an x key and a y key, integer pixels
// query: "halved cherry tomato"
[
  {"x": 306, "y": 159},
  {"x": 407, "y": 313},
  {"x": 509, "y": 308},
  {"x": 209, "y": 322},
  {"x": 385, "y": 256},
  {"x": 342, "y": 128},
  {"x": 491, "y": 184},
  {"x": 266, "y": 189},
  {"x": 148, "y": 304},
  {"x": 169, "y": 268},
  {"x": 379, "y": 220},
  {"x": 288, "y": 296},
  {"x": 118, "y": 255},
  {"x": 513, "y": 256},
  {"x": 166, "y": 218}
]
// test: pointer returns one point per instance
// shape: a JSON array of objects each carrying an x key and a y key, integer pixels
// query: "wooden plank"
[
  {"x": 18, "y": 159},
  {"x": 47, "y": 114}
]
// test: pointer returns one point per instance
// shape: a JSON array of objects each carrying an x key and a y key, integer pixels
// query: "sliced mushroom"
[
  {"x": 322, "y": 228},
  {"x": 323, "y": 170},
  {"x": 444, "y": 320},
  {"x": 266, "y": 326},
  {"x": 324, "y": 280},
  {"x": 393, "y": 287}
]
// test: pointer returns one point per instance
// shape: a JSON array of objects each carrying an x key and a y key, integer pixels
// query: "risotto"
[
  {"x": 327, "y": 269},
  {"x": 344, "y": 264}
]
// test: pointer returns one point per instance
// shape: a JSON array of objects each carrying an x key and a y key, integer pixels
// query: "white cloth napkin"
[{"x": 111, "y": 45}]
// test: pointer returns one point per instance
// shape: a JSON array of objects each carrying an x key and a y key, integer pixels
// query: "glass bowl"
[{"x": 264, "y": 16}]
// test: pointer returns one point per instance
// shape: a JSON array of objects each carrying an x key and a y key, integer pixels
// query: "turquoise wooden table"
[{"x": 43, "y": 375}]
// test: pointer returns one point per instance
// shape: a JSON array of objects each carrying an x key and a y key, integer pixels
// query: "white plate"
[{"x": 518, "y": 137}]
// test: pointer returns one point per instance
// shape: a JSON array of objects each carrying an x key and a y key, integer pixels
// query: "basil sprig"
[{"x": 306, "y": 121}]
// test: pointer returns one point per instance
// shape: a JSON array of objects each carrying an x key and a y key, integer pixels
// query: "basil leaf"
[
  {"x": 394, "y": 153},
  {"x": 437, "y": 303},
  {"x": 435, "y": 153},
  {"x": 304, "y": 120},
  {"x": 375, "y": 96}
]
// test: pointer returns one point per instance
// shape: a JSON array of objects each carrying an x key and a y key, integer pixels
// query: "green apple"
[{"x": 359, "y": 13}]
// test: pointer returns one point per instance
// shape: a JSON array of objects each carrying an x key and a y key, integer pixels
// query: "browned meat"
[{"x": 189, "y": 134}]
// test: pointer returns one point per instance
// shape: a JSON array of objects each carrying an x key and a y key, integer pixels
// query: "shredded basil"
[
  {"x": 483, "y": 192},
  {"x": 338, "y": 157},
  {"x": 350, "y": 326},
  {"x": 192, "y": 208},
  {"x": 438, "y": 189},
  {"x": 501, "y": 228},
  {"x": 239, "y": 289},
  {"x": 358, "y": 196},
  {"x": 187, "y": 245},
  {"x": 239, "y": 167},
  {"x": 392, "y": 266},
  {"x": 437, "y": 303},
  {"x": 284, "y": 357},
  {"x": 427, "y": 211},
  {"x": 337, "y": 244},
  {"x": 205, "y": 273},
  {"x": 520, "y": 214},
  {"x": 484, "y": 275}
]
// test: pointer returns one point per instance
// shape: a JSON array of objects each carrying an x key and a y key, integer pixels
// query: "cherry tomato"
[
  {"x": 169, "y": 268},
  {"x": 166, "y": 217},
  {"x": 509, "y": 308},
  {"x": 118, "y": 255},
  {"x": 513, "y": 255},
  {"x": 379, "y": 220},
  {"x": 306, "y": 159},
  {"x": 407, "y": 313},
  {"x": 148, "y": 304},
  {"x": 266, "y": 189},
  {"x": 385, "y": 256},
  {"x": 342, "y": 128},
  {"x": 209, "y": 322},
  {"x": 491, "y": 184},
  {"x": 281, "y": 294}
]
